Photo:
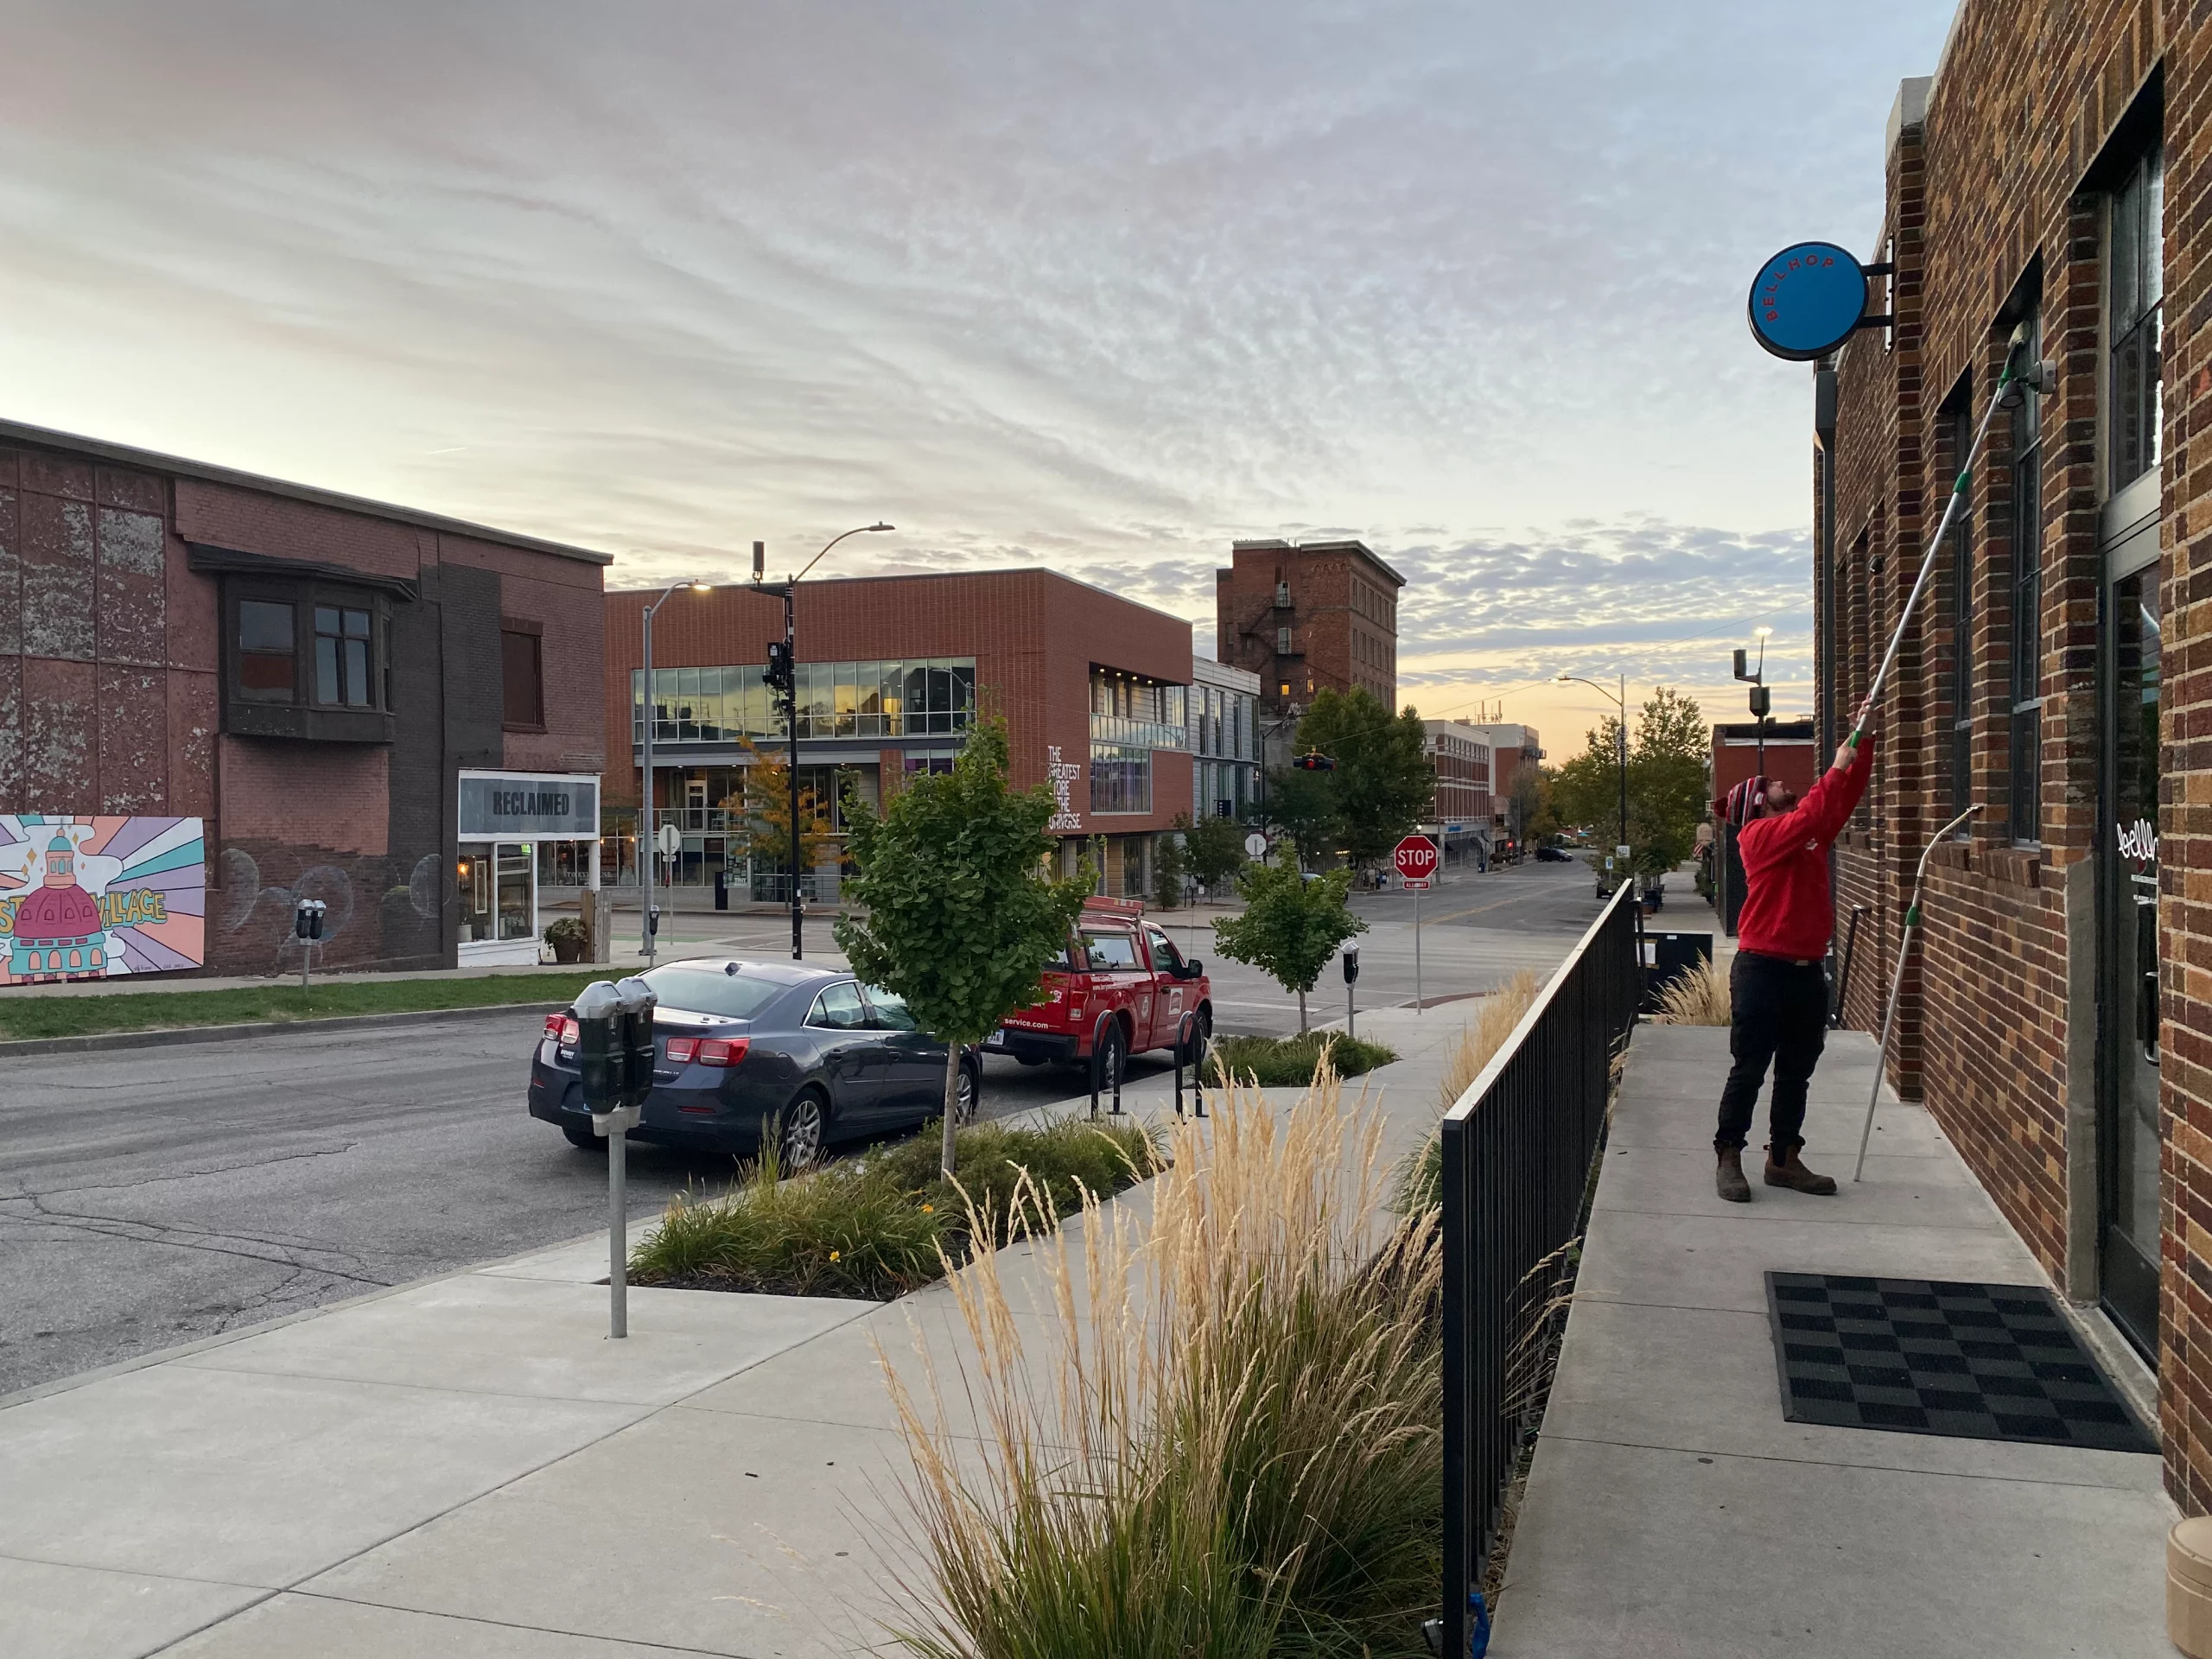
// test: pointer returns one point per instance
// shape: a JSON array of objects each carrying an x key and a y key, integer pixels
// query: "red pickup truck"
[{"x": 1124, "y": 985}]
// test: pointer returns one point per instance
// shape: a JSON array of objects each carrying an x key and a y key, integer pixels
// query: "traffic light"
[
  {"x": 1314, "y": 760},
  {"x": 778, "y": 671}
]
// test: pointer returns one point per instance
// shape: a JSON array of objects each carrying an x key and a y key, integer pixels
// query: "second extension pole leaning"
[{"x": 1896, "y": 984}]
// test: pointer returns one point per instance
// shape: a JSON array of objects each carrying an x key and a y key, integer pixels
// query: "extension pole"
[
  {"x": 1959, "y": 490},
  {"x": 1896, "y": 984}
]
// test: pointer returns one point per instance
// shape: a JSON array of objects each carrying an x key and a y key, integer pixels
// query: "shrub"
[
  {"x": 879, "y": 1226},
  {"x": 1232, "y": 1447},
  {"x": 1291, "y": 1062}
]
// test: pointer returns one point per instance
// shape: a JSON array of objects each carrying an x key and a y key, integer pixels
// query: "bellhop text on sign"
[{"x": 528, "y": 806}]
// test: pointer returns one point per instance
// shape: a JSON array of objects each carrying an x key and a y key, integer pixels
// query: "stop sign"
[{"x": 1416, "y": 858}]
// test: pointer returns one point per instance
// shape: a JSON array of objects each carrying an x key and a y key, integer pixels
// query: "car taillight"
[
  {"x": 707, "y": 1051},
  {"x": 564, "y": 1029}
]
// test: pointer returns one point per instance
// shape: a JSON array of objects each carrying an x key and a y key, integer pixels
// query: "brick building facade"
[
  {"x": 1093, "y": 688},
  {"x": 1308, "y": 617},
  {"x": 305, "y": 674},
  {"x": 2048, "y": 179}
]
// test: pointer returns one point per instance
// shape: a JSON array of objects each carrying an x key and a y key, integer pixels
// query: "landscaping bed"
[
  {"x": 875, "y": 1227},
  {"x": 1289, "y": 1062},
  {"x": 30, "y": 1017}
]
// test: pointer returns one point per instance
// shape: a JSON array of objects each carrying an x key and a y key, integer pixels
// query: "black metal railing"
[{"x": 1517, "y": 1148}]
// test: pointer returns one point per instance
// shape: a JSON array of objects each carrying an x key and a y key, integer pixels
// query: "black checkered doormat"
[{"x": 1981, "y": 1362}]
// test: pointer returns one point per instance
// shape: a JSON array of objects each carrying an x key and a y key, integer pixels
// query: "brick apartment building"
[
  {"x": 2050, "y": 174},
  {"x": 221, "y": 693},
  {"x": 1308, "y": 617},
  {"x": 891, "y": 671},
  {"x": 1459, "y": 813},
  {"x": 1511, "y": 746}
]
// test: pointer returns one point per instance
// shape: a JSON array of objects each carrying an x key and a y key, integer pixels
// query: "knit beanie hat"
[{"x": 1743, "y": 800}]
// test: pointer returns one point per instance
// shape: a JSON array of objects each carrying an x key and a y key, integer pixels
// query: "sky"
[{"x": 1100, "y": 288}]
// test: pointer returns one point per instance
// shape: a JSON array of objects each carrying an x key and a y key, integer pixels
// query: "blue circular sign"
[{"x": 1806, "y": 301}]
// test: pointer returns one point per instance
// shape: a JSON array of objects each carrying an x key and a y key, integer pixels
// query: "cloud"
[{"x": 1099, "y": 288}]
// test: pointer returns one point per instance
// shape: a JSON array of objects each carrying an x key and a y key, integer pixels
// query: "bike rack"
[{"x": 1097, "y": 1048}]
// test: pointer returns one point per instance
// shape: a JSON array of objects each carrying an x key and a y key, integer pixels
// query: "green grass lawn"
[{"x": 84, "y": 1016}]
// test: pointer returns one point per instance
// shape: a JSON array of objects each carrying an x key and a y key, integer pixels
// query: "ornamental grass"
[{"x": 1220, "y": 1434}]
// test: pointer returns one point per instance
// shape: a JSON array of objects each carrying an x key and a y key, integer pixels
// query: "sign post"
[{"x": 1415, "y": 860}]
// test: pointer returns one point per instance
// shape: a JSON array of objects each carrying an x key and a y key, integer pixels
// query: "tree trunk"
[
  {"x": 947, "y": 1157},
  {"x": 1301, "y": 1014}
]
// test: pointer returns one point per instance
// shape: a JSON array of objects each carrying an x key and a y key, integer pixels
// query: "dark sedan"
[{"x": 740, "y": 1043}]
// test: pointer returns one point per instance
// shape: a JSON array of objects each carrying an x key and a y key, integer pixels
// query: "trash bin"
[
  {"x": 1666, "y": 956},
  {"x": 722, "y": 890}
]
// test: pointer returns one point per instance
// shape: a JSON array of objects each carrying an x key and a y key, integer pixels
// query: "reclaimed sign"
[
  {"x": 95, "y": 898},
  {"x": 529, "y": 806}
]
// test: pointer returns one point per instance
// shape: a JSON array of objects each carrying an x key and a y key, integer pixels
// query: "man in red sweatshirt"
[{"x": 1776, "y": 991}]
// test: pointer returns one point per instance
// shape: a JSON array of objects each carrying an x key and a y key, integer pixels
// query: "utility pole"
[
  {"x": 646, "y": 850},
  {"x": 782, "y": 673}
]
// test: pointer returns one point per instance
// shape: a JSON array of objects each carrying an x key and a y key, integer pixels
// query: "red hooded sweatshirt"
[{"x": 1788, "y": 911}]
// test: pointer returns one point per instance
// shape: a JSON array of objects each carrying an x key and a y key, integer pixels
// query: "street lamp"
[
  {"x": 1620, "y": 702},
  {"x": 646, "y": 845},
  {"x": 783, "y": 675},
  {"x": 1760, "y": 696}
]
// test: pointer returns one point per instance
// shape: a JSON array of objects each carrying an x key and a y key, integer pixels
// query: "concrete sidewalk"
[
  {"x": 1671, "y": 1508},
  {"x": 468, "y": 1466}
]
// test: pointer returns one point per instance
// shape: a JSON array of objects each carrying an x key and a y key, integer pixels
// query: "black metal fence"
[{"x": 1517, "y": 1149}]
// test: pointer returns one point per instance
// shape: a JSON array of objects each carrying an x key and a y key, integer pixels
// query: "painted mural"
[{"x": 96, "y": 898}]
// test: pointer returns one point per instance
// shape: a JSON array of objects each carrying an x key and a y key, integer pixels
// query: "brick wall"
[
  {"x": 1337, "y": 643},
  {"x": 1995, "y": 199},
  {"x": 1034, "y": 635},
  {"x": 110, "y": 698}
]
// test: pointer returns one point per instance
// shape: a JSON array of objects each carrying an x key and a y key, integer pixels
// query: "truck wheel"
[
  {"x": 1200, "y": 1032},
  {"x": 1113, "y": 1057}
]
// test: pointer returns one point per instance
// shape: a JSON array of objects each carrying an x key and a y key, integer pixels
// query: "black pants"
[{"x": 1780, "y": 1018}]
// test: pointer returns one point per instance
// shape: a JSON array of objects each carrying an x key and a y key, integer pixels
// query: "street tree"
[
  {"x": 767, "y": 805},
  {"x": 1168, "y": 864},
  {"x": 1383, "y": 780},
  {"x": 1302, "y": 807},
  {"x": 953, "y": 908},
  {"x": 1291, "y": 926},
  {"x": 1214, "y": 848},
  {"x": 1667, "y": 768}
]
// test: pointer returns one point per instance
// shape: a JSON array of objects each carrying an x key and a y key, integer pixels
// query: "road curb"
[{"x": 160, "y": 1037}]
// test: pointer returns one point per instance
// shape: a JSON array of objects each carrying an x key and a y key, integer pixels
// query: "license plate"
[{"x": 996, "y": 1039}]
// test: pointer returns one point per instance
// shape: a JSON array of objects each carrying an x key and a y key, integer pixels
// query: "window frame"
[
  {"x": 305, "y": 714},
  {"x": 2133, "y": 322},
  {"x": 2024, "y": 608}
]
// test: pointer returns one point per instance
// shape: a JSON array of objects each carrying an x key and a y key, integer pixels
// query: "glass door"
[{"x": 2128, "y": 1139}]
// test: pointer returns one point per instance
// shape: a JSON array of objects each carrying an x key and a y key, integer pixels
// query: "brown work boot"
[
  {"x": 1728, "y": 1179},
  {"x": 1785, "y": 1170}
]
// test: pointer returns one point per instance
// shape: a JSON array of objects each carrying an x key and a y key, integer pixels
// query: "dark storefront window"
[
  {"x": 2027, "y": 601},
  {"x": 1121, "y": 778},
  {"x": 2137, "y": 292}
]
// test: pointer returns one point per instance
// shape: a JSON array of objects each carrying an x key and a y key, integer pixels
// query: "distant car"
[
  {"x": 1123, "y": 984},
  {"x": 1553, "y": 856},
  {"x": 740, "y": 1043}
]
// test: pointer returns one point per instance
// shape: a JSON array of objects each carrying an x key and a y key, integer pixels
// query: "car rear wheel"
[
  {"x": 805, "y": 1128},
  {"x": 582, "y": 1138},
  {"x": 971, "y": 1091}
]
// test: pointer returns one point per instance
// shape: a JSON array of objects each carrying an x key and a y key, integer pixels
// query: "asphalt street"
[{"x": 150, "y": 1197}]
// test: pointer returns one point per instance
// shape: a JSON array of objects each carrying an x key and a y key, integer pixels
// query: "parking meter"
[
  {"x": 636, "y": 1001},
  {"x": 307, "y": 927},
  {"x": 600, "y": 1052},
  {"x": 1352, "y": 978},
  {"x": 1352, "y": 964}
]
